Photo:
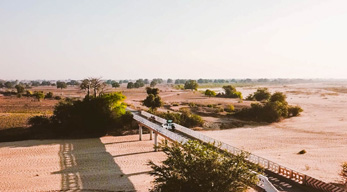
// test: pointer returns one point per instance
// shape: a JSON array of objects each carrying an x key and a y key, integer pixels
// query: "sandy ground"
[
  {"x": 321, "y": 130},
  {"x": 108, "y": 163}
]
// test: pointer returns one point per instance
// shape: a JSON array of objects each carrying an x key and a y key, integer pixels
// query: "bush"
[
  {"x": 39, "y": 95},
  {"x": 49, "y": 95},
  {"x": 260, "y": 95},
  {"x": 194, "y": 166},
  {"x": 210, "y": 93},
  {"x": 272, "y": 111},
  {"x": 230, "y": 92},
  {"x": 29, "y": 93},
  {"x": 185, "y": 118},
  {"x": 294, "y": 111},
  {"x": 302, "y": 152},
  {"x": 230, "y": 108},
  {"x": 57, "y": 98}
]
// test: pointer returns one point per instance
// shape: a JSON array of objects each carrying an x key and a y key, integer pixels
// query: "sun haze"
[{"x": 42, "y": 39}]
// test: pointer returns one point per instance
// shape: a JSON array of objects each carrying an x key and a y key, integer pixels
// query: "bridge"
[{"x": 278, "y": 178}]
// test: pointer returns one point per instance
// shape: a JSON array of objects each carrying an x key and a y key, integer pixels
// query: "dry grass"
[
  {"x": 12, "y": 104},
  {"x": 337, "y": 89},
  {"x": 11, "y": 120}
]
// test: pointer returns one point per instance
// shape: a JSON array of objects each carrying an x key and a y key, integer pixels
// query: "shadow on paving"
[{"x": 89, "y": 167}]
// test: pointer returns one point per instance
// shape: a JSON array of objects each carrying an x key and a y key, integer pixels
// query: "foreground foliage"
[{"x": 198, "y": 167}]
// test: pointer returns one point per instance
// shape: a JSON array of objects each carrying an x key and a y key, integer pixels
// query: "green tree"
[
  {"x": 61, "y": 85},
  {"x": 153, "y": 99},
  {"x": 130, "y": 85},
  {"x": 210, "y": 93},
  {"x": 115, "y": 84},
  {"x": 92, "y": 117},
  {"x": 194, "y": 166},
  {"x": 154, "y": 91},
  {"x": 44, "y": 83},
  {"x": 169, "y": 81},
  {"x": 20, "y": 89},
  {"x": 191, "y": 84},
  {"x": 153, "y": 83},
  {"x": 97, "y": 85},
  {"x": 8, "y": 84},
  {"x": 35, "y": 83},
  {"x": 85, "y": 85}
]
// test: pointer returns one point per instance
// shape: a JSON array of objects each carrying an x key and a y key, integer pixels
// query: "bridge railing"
[
  {"x": 276, "y": 168},
  {"x": 157, "y": 128}
]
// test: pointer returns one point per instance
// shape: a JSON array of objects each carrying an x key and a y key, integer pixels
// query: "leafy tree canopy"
[
  {"x": 191, "y": 84},
  {"x": 194, "y": 166}
]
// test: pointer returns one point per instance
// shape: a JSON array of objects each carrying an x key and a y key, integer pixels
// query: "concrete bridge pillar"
[
  {"x": 150, "y": 134},
  {"x": 155, "y": 141},
  {"x": 140, "y": 132}
]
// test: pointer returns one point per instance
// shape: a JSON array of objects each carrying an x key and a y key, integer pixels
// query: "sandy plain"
[{"x": 95, "y": 163}]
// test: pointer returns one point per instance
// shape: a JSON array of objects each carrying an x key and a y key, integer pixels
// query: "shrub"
[
  {"x": 302, "y": 152},
  {"x": 185, "y": 118},
  {"x": 210, "y": 93},
  {"x": 39, "y": 121},
  {"x": 272, "y": 111},
  {"x": 230, "y": 108},
  {"x": 49, "y": 95},
  {"x": 294, "y": 111},
  {"x": 57, "y": 98},
  {"x": 260, "y": 95},
  {"x": 230, "y": 92},
  {"x": 29, "y": 93},
  {"x": 192, "y": 105},
  {"x": 194, "y": 166},
  {"x": 39, "y": 95}
]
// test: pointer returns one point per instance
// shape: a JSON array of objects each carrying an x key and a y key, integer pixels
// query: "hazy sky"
[{"x": 47, "y": 39}]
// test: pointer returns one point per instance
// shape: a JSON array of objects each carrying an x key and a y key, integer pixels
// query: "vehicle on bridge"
[{"x": 169, "y": 125}]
